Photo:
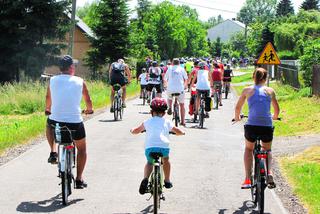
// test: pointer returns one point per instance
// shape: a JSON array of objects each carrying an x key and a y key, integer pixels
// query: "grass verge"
[
  {"x": 300, "y": 114},
  {"x": 21, "y": 111},
  {"x": 303, "y": 173},
  {"x": 247, "y": 77}
]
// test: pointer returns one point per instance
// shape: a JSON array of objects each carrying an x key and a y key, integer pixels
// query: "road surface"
[{"x": 207, "y": 171}]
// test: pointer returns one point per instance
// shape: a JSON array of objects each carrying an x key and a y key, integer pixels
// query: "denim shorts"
[{"x": 164, "y": 151}]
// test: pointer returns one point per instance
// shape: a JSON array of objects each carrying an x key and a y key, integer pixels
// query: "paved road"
[{"x": 206, "y": 171}]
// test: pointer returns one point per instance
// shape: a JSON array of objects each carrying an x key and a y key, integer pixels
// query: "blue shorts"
[{"x": 163, "y": 151}]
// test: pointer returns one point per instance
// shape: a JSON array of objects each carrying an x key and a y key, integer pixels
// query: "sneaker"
[
  {"x": 81, "y": 184},
  {"x": 168, "y": 184},
  {"x": 111, "y": 110},
  {"x": 53, "y": 158},
  {"x": 270, "y": 181},
  {"x": 220, "y": 104},
  {"x": 124, "y": 105},
  {"x": 169, "y": 112},
  {"x": 143, "y": 186},
  {"x": 141, "y": 97},
  {"x": 246, "y": 184}
]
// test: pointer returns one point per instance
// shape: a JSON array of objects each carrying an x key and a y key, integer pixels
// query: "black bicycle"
[
  {"x": 144, "y": 96},
  {"x": 117, "y": 102},
  {"x": 202, "y": 109},
  {"x": 176, "y": 111},
  {"x": 216, "y": 96},
  {"x": 66, "y": 159}
]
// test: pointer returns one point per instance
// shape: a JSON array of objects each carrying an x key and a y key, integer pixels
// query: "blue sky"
[{"x": 226, "y": 6}]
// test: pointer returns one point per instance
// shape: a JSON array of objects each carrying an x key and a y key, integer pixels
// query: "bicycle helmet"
[
  {"x": 154, "y": 63},
  {"x": 161, "y": 64},
  {"x": 159, "y": 104},
  {"x": 202, "y": 65},
  {"x": 66, "y": 61}
]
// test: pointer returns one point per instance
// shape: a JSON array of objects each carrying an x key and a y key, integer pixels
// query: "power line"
[{"x": 211, "y": 8}]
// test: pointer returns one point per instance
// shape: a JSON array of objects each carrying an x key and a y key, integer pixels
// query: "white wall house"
[{"x": 225, "y": 30}]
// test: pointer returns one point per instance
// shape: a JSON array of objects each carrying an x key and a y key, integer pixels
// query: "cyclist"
[
  {"x": 63, "y": 99},
  {"x": 143, "y": 81},
  {"x": 259, "y": 98},
  {"x": 193, "y": 72},
  {"x": 117, "y": 72},
  {"x": 176, "y": 80},
  {"x": 154, "y": 78},
  {"x": 203, "y": 81},
  {"x": 227, "y": 74},
  {"x": 157, "y": 140},
  {"x": 217, "y": 80}
]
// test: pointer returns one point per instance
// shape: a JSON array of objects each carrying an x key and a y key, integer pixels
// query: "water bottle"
[{"x": 58, "y": 133}]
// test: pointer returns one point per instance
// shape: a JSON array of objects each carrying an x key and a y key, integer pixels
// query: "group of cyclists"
[{"x": 65, "y": 91}]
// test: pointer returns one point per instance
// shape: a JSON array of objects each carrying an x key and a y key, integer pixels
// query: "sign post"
[{"x": 268, "y": 57}]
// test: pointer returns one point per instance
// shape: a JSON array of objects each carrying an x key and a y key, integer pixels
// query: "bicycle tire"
[
  {"x": 153, "y": 94},
  {"x": 201, "y": 116},
  {"x": 120, "y": 108},
  {"x": 144, "y": 97},
  {"x": 216, "y": 101},
  {"x": 156, "y": 183},
  {"x": 64, "y": 186},
  {"x": 115, "y": 108},
  {"x": 261, "y": 185},
  {"x": 226, "y": 91},
  {"x": 176, "y": 115}
]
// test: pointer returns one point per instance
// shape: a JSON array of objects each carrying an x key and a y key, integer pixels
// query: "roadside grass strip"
[
  {"x": 22, "y": 109},
  {"x": 300, "y": 114},
  {"x": 303, "y": 173},
  {"x": 243, "y": 78}
]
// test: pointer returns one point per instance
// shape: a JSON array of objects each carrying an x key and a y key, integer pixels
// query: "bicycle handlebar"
[
  {"x": 173, "y": 133},
  {"x": 47, "y": 113},
  {"x": 245, "y": 116}
]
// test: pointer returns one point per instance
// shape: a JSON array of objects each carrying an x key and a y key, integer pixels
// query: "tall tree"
[
  {"x": 257, "y": 10},
  {"x": 88, "y": 13},
  {"x": 310, "y": 5},
  {"x": 213, "y": 21},
  {"x": 112, "y": 32},
  {"x": 285, "y": 8},
  {"x": 26, "y": 27},
  {"x": 267, "y": 36}
]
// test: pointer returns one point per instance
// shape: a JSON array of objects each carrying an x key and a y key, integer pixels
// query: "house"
[
  {"x": 225, "y": 30},
  {"x": 82, "y": 36}
]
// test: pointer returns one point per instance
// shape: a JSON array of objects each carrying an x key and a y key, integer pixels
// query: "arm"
[
  {"x": 87, "y": 99},
  {"x": 239, "y": 105},
  {"x": 110, "y": 72},
  {"x": 138, "y": 129},
  {"x": 275, "y": 105},
  {"x": 177, "y": 131},
  {"x": 48, "y": 99},
  {"x": 128, "y": 73},
  {"x": 193, "y": 80}
]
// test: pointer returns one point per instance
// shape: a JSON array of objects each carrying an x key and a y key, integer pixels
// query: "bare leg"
[
  {"x": 197, "y": 105},
  {"x": 248, "y": 158},
  {"x": 81, "y": 157},
  {"x": 124, "y": 94},
  {"x": 50, "y": 138},
  {"x": 147, "y": 170},
  {"x": 112, "y": 96},
  {"x": 182, "y": 112},
  {"x": 166, "y": 169},
  {"x": 170, "y": 103},
  {"x": 267, "y": 147}
]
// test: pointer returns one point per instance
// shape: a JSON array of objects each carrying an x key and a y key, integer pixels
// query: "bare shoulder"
[{"x": 270, "y": 91}]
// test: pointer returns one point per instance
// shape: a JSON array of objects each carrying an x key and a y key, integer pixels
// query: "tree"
[
  {"x": 88, "y": 13},
  {"x": 267, "y": 36},
  {"x": 144, "y": 6},
  {"x": 112, "y": 32},
  {"x": 310, "y": 5},
  {"x": 257, "y": 10},
  {"x": 213, "y": 21},
  {"x": 285, "y": 8},
  {"x": 26, "y": 29}
]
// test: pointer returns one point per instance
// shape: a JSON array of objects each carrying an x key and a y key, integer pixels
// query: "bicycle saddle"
[
  {"x": 155, "y": 155},
  {"x": 175, "y": 94}
]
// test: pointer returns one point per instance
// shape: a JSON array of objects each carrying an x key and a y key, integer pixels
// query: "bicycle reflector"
[
  {"x": 262, "y": 156},
  {"x": 69, "y": 147}
]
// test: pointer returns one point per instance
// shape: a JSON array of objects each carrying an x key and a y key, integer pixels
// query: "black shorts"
[
  {"x": 77, "y": 129},
  {"x": 157, "y": 86},
  {"x": 143, "y": 87},
  {"x": 265, "y": 133},
  {"x": 205, "y": 92},
  {"x": 117, "y": 79},
  {"x": 226, "y": 79}
]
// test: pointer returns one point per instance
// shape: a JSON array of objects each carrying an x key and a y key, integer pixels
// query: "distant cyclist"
[
  {"x": 157, "y": 140},
  {"x": 63, "y": 99},
  {"x": 117, "y": 72},
  {"x": 154, "y": 78},
  {"x": 259, "y": 122},
  {"x": 143, "y": 81},
  {"x": 217, "y": 80},
  {"x": 227, "y": 74}
]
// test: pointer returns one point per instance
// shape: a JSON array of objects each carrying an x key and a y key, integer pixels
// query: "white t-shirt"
[
  {"x": 157, "y": 132},
  {"x": 176, "y": 77},
  {"x": 66, "y": 95},
  {"x": 143, "y": 79},
  {"x": 203, "y": 80}
]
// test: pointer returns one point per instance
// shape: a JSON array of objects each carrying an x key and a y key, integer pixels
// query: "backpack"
[{"x": 118, "y": 68}]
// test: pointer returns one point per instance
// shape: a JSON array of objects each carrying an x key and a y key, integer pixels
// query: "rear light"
[
  {"x": 262, "y": 156},
  {"x": 69, "y": 147},
  {"x": 262, "y": 171}
]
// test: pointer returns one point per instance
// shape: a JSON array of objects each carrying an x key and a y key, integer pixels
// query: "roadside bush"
[
  {"x": 311, "y": 57},
  {"x": 287, "y": 55}
]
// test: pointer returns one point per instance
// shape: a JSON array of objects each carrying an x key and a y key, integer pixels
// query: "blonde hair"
[{"x": 259, "y": 75}]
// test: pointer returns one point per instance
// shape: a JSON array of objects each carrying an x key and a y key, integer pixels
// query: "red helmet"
[{"x": 159, "y": 104}]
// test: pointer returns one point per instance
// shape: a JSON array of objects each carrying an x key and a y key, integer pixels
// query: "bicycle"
[
  {"x": 117, "y": 103},
  {"x": 175, "y": 114},
  {"x": 260, "y": 174},
  {"x": 216, "y": 96},
  {"x": 202, "y": 108},
  {"x": 66, "y": 159},
  {"x": 144, "y": 96}
]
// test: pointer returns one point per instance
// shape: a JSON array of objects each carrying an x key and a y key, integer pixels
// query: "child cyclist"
[
  {"x": 157, "y": 140},
  {"x": 143, "y": 81}
]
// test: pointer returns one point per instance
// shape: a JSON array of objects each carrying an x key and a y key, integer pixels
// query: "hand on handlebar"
[
  {"x": 87, "y": 111},
  {"x": 47, "y": 112}
]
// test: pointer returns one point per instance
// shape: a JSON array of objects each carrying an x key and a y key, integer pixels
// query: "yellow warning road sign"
[{"x": 269, "y": 56}]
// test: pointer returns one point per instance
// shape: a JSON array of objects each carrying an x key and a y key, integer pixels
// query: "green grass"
[
  {"x": 300, "y": 114},
  {"x": 22, "y": 107},
  {"x": 243, "y": 78},
  {"x": 303, "y": 173}
]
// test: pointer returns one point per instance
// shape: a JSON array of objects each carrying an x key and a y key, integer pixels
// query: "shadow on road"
[
  {"x": 148, "y": 209},
  {"x": 247, "y": 207},
  {"x": 144, "y": 112},
  {"x": 109, "y": 121},
  {"x": 50, "y": 205}
]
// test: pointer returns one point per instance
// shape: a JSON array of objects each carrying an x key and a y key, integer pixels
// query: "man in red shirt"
[{"x": 217, "y": 80}]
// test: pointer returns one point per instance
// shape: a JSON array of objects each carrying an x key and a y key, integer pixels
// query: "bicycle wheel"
[
  {"x": 144, "y": 97},
  {"x": 153, "y": 94},
  {"x": 201, "y": 116},
  {"x": 156, "y": 198},
  {"x": 120, "y": 108},
  {"x": 261, "y": 185},
  {"x": 115, "y": 108},
  {"x": 226, "y": 91},
  {"x": 216, "y": 100},
  {"x": 176, "y": 115},
  {"x": 65, "y": 185}
]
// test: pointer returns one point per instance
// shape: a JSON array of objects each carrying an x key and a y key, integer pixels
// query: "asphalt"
[{"x": 207, "y": 170}]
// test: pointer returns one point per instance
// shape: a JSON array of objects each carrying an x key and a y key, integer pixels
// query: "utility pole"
[{"x": 73, "y": 22}]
